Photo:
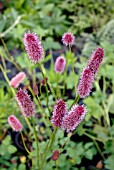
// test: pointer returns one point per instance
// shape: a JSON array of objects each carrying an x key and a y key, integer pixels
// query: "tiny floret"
[
  {"x": 15, "y": 81},
  {"x": 96, "y": 59},
  {"x": 33, "y": 47},
  {"x": 85, "y": 83},
  {"x": 60, "y": 64},
  {"x": 25, "y": 104},
  {"x": 15, "y": 123},
  {"x": 74, "y": 118},
  {"x": 59, "y": 112},
  {"x": 68, "y": 39}
]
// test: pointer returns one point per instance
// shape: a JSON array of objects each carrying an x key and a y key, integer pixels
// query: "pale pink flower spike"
[
  {"x": 15, "y": 123},
  {"x": 15, "y": 81},
  {"x": 60, "y": 64}
]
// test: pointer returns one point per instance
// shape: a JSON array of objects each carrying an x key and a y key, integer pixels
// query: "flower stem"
[
  {"x": 75, "y": 101},
  {"x": 37, "y": 143},
  {"x": 49, "y": 146},
  {"x": 25, "y": 144},
  {"x": 46, "y": 86}
]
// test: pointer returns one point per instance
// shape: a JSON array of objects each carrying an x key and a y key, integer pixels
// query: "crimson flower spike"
[
  {"x": 33, "y": 47},
  {"x": 96, "y": 59},
  {"x": 85, "y": 83},
  {"x": 68, "y": 38},
  {"x": 59, "y": 111},
  {"x": 25, "y": 104},
  {"x": 73, "y": 118}
]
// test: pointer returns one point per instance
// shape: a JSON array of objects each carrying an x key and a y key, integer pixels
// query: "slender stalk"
[
  {"x": 49, "y": 146},
  {"x": 5, "y": 76},
  {"x": 12, "y": 26},
  {"x": 37, "y": 143},
  {"x": 46, "y": 86},
  {"x": 98, "y": 148},
  {"x": 28, "y": 123},
  {"x": 75, "y": 101},
  {"x": 25, "y": 144},
  {"x": 56, "y": 165}
]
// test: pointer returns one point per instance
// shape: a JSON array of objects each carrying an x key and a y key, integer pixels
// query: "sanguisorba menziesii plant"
[{"x": 61, "y": 117}]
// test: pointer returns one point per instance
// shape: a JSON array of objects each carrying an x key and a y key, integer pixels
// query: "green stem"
[
  {"x": 46, "y": 86},
  {"x": 25, "y": 144},
  {"x": 98, "y": 148},
  {"x": 5, "y": 76},
  {"x": 49, "y": 146},
  {"x": 75, "y": 101},
  {"x": 37, "y": 143}
]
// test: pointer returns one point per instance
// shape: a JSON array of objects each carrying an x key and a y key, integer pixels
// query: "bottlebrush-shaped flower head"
[
  {"x": 15, "y": 123},
  {"x": 60, "y": 64},
  {"x": 96, "y": 59},
  {"x": 35, "y": 89},
  {"x": 55, "y": 155},
  {"x": 68, "y": 38},
  {"x": 15, "y": 81},
  {"x": 59, "y": 112},
  {"x": 25, "y": 104},
  {"x": 33, "y": 47},
  {"x": 74, "y": 118},
  {"x": 85, "y": 83}
]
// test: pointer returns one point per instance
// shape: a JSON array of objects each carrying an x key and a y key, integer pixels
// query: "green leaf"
[
  {"x": 109, "y": 162},
  {"x": 12, "y": 149}
]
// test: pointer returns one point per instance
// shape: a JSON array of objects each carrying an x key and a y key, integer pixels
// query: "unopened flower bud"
[{"x": 55, "y": 155}]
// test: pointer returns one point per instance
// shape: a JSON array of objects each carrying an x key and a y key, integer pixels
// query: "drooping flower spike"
[
  {"x": 15, "y": 81},
  {"x": 33, "y": 47},
  {"x": 68, "y": 38},
  {"x": 15, "y": 123},
  {"x": 59, "y": 111},
  {"x": 96, "y": 59},
  {"x": 25, "y": 104},
  {"x": 60, "y": 64},
  {"x": 74, "y": 118},
  {"x": 85, "y": 83}
]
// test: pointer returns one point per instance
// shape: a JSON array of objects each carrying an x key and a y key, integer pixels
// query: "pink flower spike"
[
  {"x": 59, "y": 112},
  {"x": 25, "y": 104},
  {"x": 96, "y": 59},
  {"x": 15, "y": 123},
  {"x": 68, "y": 38},
  {"x": 85, "y": 83},
  {"x": 60, "y": 64},
  {"x": 15, "y": 81},
  {"x": 74, "y": 118},
  {"x": 55, "y": 155},
  {"x": 33, "y": 47}
]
